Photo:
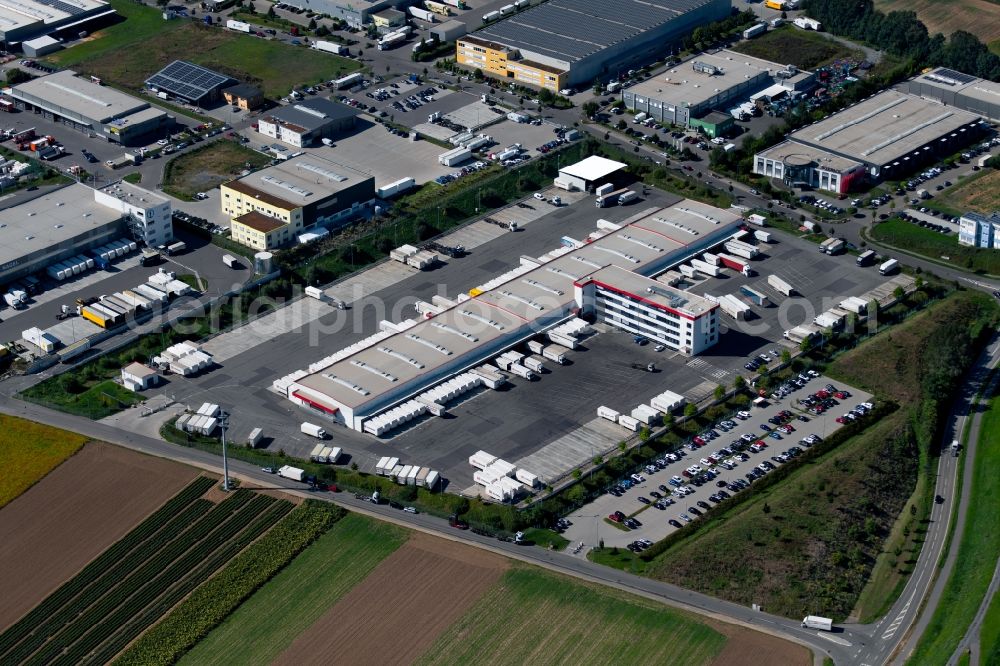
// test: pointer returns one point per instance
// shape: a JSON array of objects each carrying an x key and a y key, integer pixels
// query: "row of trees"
[{"x": 904, "y": 35}]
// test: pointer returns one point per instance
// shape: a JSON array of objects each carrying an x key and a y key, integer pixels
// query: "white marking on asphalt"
[
  {"x": 894, "y": 627},
  {"x": 835, "y": 639}
]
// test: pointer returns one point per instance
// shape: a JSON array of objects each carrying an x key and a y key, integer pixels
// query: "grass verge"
[
  {"x": 29, "y": 451},
  {"x": 546, "y": 538},
  {"x": 209, "y": 166},
  {"x": 211, "y": 603},
  {"x": 266, "y": 623},
  {"x": 545, "y": 618},
  {"x": 978, "y": 546},
  {"x": 806, "y": 50},
  {"x": 989, "y": 634},
  {"x": 92, "y": 399},
  {"x": 939, "y": 247}
]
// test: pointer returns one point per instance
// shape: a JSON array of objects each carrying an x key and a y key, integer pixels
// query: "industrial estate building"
[
  {"x": 883, "y": 137},
  {"x": 357, "y": 13},
  {"x": 563, "y": 43},
  {"x": 271, "y": 207},
  {"x": 66, "y": 222},
  {"x": 711, "y": 82},
  {"x": 26, "y": 19},
  {"x": 190, "y": 83},
  {"x": 960, "y": 90},
  {"x": 244, "y": 96},
  {"x": 590, "y": 173},
  {"x": 149, "y": 215},
  {"x": 307, "y": 122},
  {"x": 89, "y": 107},
  {"x": 979, "y": 230},
  {"x": 609, "y": 277}
]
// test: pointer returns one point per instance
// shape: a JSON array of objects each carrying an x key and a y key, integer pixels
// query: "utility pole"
[{"x": 224, "y": 424}]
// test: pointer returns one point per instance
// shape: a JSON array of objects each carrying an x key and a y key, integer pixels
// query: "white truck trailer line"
[{"x": 780, "y": 285}]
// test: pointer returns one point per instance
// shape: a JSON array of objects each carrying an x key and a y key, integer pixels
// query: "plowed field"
[
  {"x": 73, "y": 514},
  {"x": 402, "y": 607},
  {"x": 752, "y": 648}
]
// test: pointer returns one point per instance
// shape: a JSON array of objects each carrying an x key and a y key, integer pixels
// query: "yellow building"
[
  {"x": 270, "y": 208},
  {"x": 503, "y": 62}
]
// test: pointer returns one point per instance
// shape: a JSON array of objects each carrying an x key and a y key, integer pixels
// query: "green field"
[
  {"x": 208, "y": 166},
  {"x": 126, "y": 54},
  {"x": 92, "y": 399},
  {"x": 978, "y": 547},
  {"x": 29, "y": 451},
  {"x": 989, "y": 635},
  {"x": 806, "y": 50},
  {"x": 535, "y": 617},
  {"x": 277, "y": 613},
  {"x": 908, "y": 236}
]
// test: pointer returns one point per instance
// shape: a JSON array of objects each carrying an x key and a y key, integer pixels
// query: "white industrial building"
[
  {"x": 588, "y": 173},
  {"x": 149, "y": 215},
  {"x": 609, "y": 277},
  {"x": 306, "y": 123},
  {"x": 25, "y": 19}
]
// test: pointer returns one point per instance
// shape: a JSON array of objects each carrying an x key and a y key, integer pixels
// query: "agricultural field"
[
  {"x": 75, "y": 512},
  {"x": 29, "y": 451},
  {"x": 805, "y": 50},
  {"x": 980, "y": 17},
  {"x": 300, "y": 594},
  {"x": 207, "y": 167},
  {"x": 126, "y": 54},
  {"x": 910, "y": 237},
  {"x": 125, "y": 590}
]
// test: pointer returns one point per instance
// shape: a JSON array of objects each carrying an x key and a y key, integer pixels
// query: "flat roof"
[
  {"x": 683, "y": 85},
  {"x": 570, "y": 30},
  {"x": 961, "y": 83},
  {"x": 134, "y": 195},
  {"x": 884, "y": 127},
  {"x": 651, "y": 291},
  {"x": 530, "y": 300},
  {"x": 593, "y": 168},
  {"x": 49, "y": 220},
  {"x": 138, "y": 370},
  {"x": 22, "y": 13},
  {"x": 793, "y": 153},
  {"x": 244, "y": 90},
  {"x": 299, "y": 181},
  {"x": 64, "y": 89},
  {"x": 259, "y": 222},
  {"x": 311, "y": 114}
]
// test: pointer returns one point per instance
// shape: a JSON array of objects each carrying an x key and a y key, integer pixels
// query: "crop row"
[
  {"x": 211, "y": 603},
  {"x": 99, "y": 566},
  {"x": 154, "y": 612},
  {"x": 139, "y": 577},
  {"x": 192, "y": 564},
  {"x": 61, "y": 616}
]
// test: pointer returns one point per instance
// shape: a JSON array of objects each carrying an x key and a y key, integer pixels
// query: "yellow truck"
[{"x": 780, "y": 5}]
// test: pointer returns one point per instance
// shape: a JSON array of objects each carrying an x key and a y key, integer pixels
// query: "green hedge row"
[{"x": 211, "y": 603}]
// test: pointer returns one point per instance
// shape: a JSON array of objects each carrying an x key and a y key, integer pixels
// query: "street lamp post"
[{"x": 224, "y": 424}]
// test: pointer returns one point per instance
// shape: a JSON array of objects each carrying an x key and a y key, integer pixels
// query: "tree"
[
  {"x": 739, "y": 382},
  {"x": 15, "y": 76},
  {"x": 590, "y": 108},
  {"x": 786, "y": 356},
  {"x": 312, "y": 22},
  {"x": 251, "y": 9},
  {"x": 546, "y": 97},
  {"x": 322, "y": 31},
  {"x": 690, "y": 410},
  {"x": 270, "y": 11},
  {"x": 478, "y": 74},
  {"x": 720, "y": 392},
  {"x": 898, "y": 293}
]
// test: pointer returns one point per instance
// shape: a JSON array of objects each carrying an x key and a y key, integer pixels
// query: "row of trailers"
[
  {"x": 203, "y": 422},
  {"x": 408, "y": 475},
  {"x": 115, "y": 309},
  {"x": 101, "y": 257},
  {"x": 325, "y": 454}
]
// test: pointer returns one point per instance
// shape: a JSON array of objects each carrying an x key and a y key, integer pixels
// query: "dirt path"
[
  {"x": 374, "y": 624},
  {"x": 73, "y": 514},
  {"x": 746, "y": 647}
]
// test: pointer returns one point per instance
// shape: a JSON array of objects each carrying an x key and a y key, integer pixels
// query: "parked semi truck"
[
  {"x": 737, "y": 264},
  {"x": 817, "y": 622},
  {"x": 609, "y": 199},
  {"x": 627, "y": 197}
]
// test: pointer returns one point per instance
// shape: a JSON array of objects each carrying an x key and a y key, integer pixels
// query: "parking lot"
[{"x": 683, "y": 486}]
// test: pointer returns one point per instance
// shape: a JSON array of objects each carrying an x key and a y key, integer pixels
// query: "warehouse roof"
[
  {"x": 792, "y": 153},
  {"x": 51, "y": 220},
  {"x": 527, "y": 302},
  {"x": 187, "y": 80},
  {"x": 884, "y": 127},
  {"x": 243, "y": 91},
  {"x": 65, "y": 90},
  {"x": 594, "y": 167},
  {"x": 964, "y": 84},
  {"x": 259, "y": 222},
  {"x": 298, "y": 181},
  {"x": 647, "y": 289},
  {"x": 685, "y": 85},
  {"x": 134, "y": 195},
  {"x": 23, "y": 13},
  {"x": 570, "y": 30},
  {"x": 311, "y": 114}
]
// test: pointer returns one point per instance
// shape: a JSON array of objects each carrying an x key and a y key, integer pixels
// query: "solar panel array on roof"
[
  {"x": 187, "y": 80},
  {"x": 573, "y": 29},
  {"x": 66, "y": 7},
  {"x": 955, "y": 76}
]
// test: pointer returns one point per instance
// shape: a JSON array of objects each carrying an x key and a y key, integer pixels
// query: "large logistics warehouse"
[
  {"x": 356, "y": 13},
  {"x": 886, "y": 136},
  {"x": 25, "y": 19},
  {"x": 305, "y": 123},
  {"x": 711, "y": 81},
  {"x": 960, "y": 90},
  {"x": 55, "y": 227},
  {"x": 89, "y": 107},
  {"x": 563, "y": 43},
  {"x": 607, "y": 277}
]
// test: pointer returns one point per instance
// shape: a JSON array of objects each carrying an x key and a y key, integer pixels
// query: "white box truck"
[
  {"x": 627, "y": 197},
  {"x": 293, "y": 473},
  {"x": 313, "y": 430},
  {"x": 888, "y": 267},
  {"x": 817, "y": 622}
]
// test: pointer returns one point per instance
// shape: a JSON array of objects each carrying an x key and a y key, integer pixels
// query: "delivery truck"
[
  {"x": 293, "y": 473},
  {"x": 609, "y": 199},
  {"x": 889, "y": 267},
  {"x": 867, "y": 257},
  {"x": 740, "y": 265},
  {"x": 313, "y": 430},
  {"x": 230, "y": 260},
  {"x": 817, "y": 622},
  {"x": 627, "y": 197}
]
